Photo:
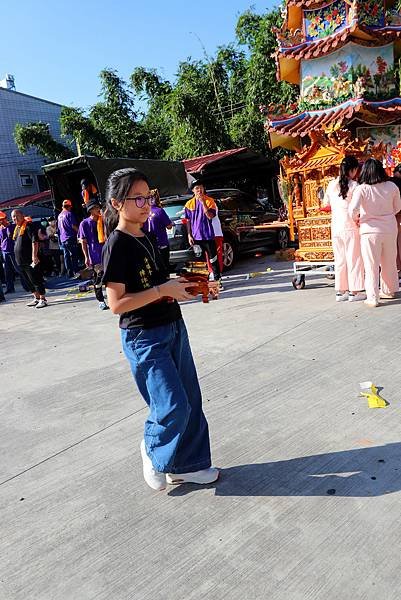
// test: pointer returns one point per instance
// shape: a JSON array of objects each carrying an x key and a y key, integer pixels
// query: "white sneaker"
[
  {"x": 340, "y": 297},
  {"x": 154, "y": 479},
  {"x": 387, "y": 296},
  {"x": 42, "y": 303},
  {"x": 371, "y": 303},
  {"x": 356, "y": 297},
  {"x": 33, "y": 302},
  {"x": 202, "y": 477}
]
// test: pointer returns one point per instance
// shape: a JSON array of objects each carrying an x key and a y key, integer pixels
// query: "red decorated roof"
[
  {"x": 321, "y": 47},
  {"x": 383, "y": 112}
]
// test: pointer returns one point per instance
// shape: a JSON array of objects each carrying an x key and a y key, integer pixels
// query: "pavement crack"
[{"x": 88, "y": 437}]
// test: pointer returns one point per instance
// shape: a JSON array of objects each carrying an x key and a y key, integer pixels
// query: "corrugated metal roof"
[
  {"x": 197, "y": 164},
  {"x": 26, "y": 200}
]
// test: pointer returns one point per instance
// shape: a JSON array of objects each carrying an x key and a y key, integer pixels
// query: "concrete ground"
[{"x": 308, "y": 502}]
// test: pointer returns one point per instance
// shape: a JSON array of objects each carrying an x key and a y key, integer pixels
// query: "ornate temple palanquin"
[
  {"x": 344, "y": 55},
  {"x": 307, "y": 175}
]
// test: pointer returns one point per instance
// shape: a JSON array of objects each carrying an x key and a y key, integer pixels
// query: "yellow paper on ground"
[{"x": 369, "y": 391}]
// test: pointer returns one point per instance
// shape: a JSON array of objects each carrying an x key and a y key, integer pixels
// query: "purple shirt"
[
  {"x": 201, "y": 225},
  {"x": 156, "y": 224},
  {"x": 6, "y": 238},
  {"x": 88, "y": 231},
  {"x": 65, "y": 222}
]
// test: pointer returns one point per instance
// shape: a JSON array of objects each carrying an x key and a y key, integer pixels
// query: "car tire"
[
  {"x": 282, "y": 239},
  {"x": 229, "y": 254}
]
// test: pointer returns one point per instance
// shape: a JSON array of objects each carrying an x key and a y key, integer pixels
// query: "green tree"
[
  {"x": 38, "y": 136},
  {"x": 256, "y": 33},
  {"x": 110, "y": 127},
  {"x": 214, "y": 103},
  {"x": 155, "y": 92}
]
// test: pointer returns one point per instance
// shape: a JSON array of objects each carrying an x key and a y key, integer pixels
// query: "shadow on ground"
[{"x": 363, "y": 472}]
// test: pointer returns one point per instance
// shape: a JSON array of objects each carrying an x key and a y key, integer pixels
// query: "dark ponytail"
[
  {"x": 373, "y": 172},
  {"x": 347, "y": 164},
  {"x": 117, "y": 187}
]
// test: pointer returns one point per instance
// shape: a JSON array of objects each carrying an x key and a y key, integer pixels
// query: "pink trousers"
[
  {"x": 379, "y": 253},
  {"x": 348, "y": 262}
]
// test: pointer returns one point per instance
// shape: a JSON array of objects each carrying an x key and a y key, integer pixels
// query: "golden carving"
[{"x": 308, "y": 173}]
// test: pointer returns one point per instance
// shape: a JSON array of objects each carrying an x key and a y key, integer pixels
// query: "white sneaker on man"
[
  {"x": 154, "y": 479},
  {"x": 384, "y": 296},
  {"x": 201, "y": 477},
  {"x": 42, "y": 303},
  {"x": 33, "y": 302},
  {"x": 341, "y": 297},
  {"x": 356, "y": 297}
]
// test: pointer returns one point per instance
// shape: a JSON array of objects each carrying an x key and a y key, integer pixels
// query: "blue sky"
[{"x": 56, "y": 48}]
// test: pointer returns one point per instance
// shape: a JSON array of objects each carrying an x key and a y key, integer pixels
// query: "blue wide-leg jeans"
[{"x": 176, "y": 431}]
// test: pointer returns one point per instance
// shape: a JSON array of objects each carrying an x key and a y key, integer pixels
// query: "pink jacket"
[{"x": 377, "y": 206}]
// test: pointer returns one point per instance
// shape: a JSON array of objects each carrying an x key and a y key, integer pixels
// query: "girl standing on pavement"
[
  {"x": 374, "y": 205},
  {"x": 176, "y": 447},
  {"x": 349, "y": 277}
]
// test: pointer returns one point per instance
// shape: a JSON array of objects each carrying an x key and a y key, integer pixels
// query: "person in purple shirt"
[
  {"x": 11, "y": 268},
  {"x": 88, "y": 235},
  {"x": 200, "y": 210},
  {"x": 67, "y": 229},
  {"x": 158, "y": 223}
]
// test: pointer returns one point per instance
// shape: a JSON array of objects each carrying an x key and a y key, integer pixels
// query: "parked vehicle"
[
  {"x": 239, "y": 213},
  {"x": 65, "y": 177}
]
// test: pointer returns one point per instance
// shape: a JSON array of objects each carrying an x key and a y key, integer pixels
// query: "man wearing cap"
[
  {"x": 200, "y": 212},
  {"x": 88, "y": 192},
  {"x": 91, "y": 237},
  {"x": 68, "y": 228},
  {"x": 26, "y": 249}
]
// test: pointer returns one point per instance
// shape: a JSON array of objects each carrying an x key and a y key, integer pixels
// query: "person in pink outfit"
[
  {"x": 349, "y": 276},
  {"x": 374, "y": 205}
]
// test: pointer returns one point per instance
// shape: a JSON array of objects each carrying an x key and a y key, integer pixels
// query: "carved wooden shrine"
[{"x": 344, "y": 56}]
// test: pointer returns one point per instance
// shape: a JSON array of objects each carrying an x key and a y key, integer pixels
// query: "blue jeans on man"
[
  {"x": 70, "y": 251},
  {"x": 176, "y": 431}
]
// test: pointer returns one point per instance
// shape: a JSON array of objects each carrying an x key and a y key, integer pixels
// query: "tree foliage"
[
  {"x": 212, "y": 105},
  {"x": 38, "y": 136}
]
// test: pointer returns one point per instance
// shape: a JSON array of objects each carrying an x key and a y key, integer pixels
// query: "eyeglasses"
[{"x": 140, "y": 201}]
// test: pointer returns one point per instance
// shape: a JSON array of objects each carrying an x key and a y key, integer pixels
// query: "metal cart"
[{"x": 300, "y": 267}]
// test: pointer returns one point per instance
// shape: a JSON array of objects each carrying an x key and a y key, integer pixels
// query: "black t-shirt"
[
  {"x": 137, "y": 263},
  {"x": 23, "y": 245}
]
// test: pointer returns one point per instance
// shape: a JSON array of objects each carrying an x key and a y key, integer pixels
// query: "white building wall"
[{"x": 21, "y": 108}]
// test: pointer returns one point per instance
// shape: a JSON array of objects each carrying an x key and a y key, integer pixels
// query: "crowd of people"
[
  {"x": 65, "y": 246},
  {"x": 365, "y": 224}
]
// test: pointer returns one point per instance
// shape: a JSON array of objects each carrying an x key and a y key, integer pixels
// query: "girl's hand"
[{"x": 176, "y": 288}]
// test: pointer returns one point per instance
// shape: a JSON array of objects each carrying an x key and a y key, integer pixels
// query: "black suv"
[{"x": 239, "y": 213}]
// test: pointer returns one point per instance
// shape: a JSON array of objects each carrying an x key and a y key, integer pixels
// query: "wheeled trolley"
[{"x": 300, "y": 267}]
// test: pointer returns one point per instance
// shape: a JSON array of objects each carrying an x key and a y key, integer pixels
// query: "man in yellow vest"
[{"x": 199, "y": 213}]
